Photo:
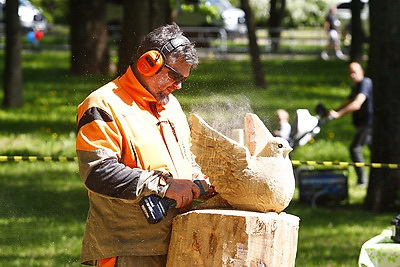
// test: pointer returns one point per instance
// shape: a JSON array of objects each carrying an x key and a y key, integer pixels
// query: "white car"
[
  {"x": 232, "y": 19},
  {"x": 31, "y": 18}
]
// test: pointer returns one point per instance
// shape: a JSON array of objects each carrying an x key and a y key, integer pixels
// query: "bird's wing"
[
  {"x": 257, "y": 135},
  {"x": 219, "y": 156}
]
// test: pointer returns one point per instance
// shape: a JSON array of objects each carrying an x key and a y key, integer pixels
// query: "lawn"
[{"x": 43, "y": 205}]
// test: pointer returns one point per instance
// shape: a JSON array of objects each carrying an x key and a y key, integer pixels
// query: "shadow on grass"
[
  {"x": 23, "y": 126},
  {"x": 40, "y": 261},
  {"x": 31, "y": 200},
  {"x": 42, "y": 214}
]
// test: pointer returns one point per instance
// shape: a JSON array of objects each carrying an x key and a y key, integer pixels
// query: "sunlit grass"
[{"x": 332, "y": 236}]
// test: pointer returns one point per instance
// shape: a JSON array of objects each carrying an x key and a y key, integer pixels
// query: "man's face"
[
  {"x": 356, "y": 73},
  {"x": 168, "y": 80}
]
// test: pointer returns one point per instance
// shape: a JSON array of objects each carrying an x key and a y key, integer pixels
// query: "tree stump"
[{"x": 212, "y": 238}]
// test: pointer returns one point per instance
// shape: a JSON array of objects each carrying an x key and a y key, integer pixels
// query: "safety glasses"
[{"x": 175, "y": 75}]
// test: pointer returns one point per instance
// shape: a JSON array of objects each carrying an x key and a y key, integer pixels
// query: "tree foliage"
[
  {"x": 55, "y": 11},
  {"x": 306, "y": 12}
]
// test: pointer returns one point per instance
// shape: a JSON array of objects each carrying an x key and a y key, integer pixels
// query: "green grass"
[
  {"x": 333, "y": 236},
  {"x": 43, "y": 205},
  {"x": 42, "y": 214}
]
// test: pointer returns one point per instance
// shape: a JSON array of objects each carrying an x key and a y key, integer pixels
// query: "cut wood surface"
[{"x": 212, "y": 238}]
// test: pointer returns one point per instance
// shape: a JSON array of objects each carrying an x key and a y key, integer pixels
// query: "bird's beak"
[{"x": 287, "y": 152}]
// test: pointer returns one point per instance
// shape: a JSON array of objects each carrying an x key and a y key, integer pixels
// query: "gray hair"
[{"x": 162, "y": 35}]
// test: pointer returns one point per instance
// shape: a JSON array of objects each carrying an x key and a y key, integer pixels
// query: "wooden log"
[{"x": 212, "y": 238}]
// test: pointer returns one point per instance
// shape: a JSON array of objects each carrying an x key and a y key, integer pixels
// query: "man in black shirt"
[{"x": 360, "y": 104}]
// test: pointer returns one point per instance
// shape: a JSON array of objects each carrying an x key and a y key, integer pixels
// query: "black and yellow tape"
[
  {"x": 294, "y": 162},
  {"x": 36, "y": 158},
  {"x": 346, "y": 164}
]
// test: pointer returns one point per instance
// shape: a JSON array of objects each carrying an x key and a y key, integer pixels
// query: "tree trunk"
[
  {"x": 161, "y": 13},
  {"x": 134, "y": 29},
  {"x": 277, "y": 9},
  {"x": 13, "y": 94},
  {"x": 154, "y": 14},
  {"x": 258, "y": 69},
  {"x": 89, "y": 37},
  {"x": 233, "y": 238},
  {"x": 356, "y": 32},
  {"x": 384, "y": 184}
]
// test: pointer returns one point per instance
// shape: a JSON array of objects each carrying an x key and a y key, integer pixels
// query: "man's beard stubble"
[{"x": 161, "y": 98}]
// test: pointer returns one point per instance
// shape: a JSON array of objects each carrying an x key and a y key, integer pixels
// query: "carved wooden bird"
[{"x": 257, "y": 179}]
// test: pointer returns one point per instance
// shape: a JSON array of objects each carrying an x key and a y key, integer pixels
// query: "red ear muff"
[
  {"x": 150, "y": 63},
  {"x": 153, "y": 61}
]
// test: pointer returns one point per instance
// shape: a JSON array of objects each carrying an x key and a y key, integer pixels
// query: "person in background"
[
  {"x": 331, "y": 28},
  {"x": 360, "y": 104},
  {"x": 133, "y": 140},
  {"x": 282, "y": 121}
]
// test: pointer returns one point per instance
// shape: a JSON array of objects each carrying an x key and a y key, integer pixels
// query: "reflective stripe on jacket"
[{"x": 122, "y": 136}]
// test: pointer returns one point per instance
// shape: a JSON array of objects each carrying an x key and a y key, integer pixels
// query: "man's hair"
[{"x": 160, "y": 36}]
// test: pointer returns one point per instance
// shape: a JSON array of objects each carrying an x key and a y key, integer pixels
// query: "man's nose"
[{"x": 177, "y": 85}]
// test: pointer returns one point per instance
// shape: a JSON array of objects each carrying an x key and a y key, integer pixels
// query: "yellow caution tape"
[
  {"x": 36, "y": 158},
  {"x": 345, "y": 164},
  {"x": 294, "y": 162}
]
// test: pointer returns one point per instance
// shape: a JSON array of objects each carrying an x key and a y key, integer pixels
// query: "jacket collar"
[{"x": 129, "y": 83}]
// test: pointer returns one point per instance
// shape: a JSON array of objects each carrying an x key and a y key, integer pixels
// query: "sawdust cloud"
[{"x": 224, "y": 113}]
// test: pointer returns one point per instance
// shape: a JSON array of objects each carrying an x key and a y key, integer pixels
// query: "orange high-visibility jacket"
[{"x": 122, "y": 136}]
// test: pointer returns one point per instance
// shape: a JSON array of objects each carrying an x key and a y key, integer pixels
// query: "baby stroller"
[
  {"x": 305, "y": 126},
  {"x": 316, "y": 186}
]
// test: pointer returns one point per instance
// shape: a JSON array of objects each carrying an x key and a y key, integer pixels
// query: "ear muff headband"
[
  {"x": 152, "y": 62},
  {"x": 171, "y": 45}
]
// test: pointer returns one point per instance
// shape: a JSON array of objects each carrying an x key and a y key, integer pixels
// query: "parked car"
[
  {"x": 212, "y": 13},
  {"x": 31, "y": 17}
]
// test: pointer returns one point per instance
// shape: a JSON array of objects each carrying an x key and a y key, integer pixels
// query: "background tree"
[
  {"x": 357, "y": 33},
  {"x": 160, "y": 13},
  {"x": 55, "y": 11},
  {"x": 277, "y": 11},
  {"x": 89, "y": 37},
  {"x": 13, "y": 94},
  {"x": 135, "y": 25},
  {"x": 258, "y": 69},
  {"x": 384, "y": 186}
]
